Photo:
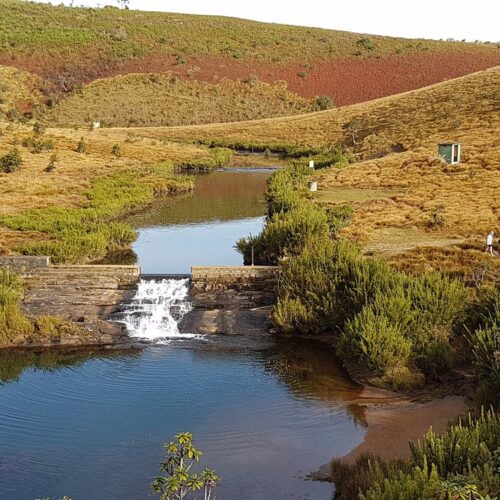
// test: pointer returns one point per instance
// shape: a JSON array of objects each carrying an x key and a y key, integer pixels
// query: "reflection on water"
[
  {"x": 201, "y": 228},
  {"x": 13, "y": 362},
  {"x": 223, "y": 195},
  {"x": 93, "y": 426}
]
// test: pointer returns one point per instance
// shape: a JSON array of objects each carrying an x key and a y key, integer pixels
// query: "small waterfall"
[{"x": 156, "y": 308}]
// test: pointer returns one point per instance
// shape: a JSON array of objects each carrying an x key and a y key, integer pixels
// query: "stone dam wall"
[{"x": 240, "y": 278}]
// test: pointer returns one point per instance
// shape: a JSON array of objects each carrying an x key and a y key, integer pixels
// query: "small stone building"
[{"x": 450, "y": 152}]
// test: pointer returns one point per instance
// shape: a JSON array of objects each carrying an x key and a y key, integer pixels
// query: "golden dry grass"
[
  {"x": 162, "y": 100},
  {"x": 465, "y": 110},
  {"x": 32, "y": 187},
  {"x": 18, "y": 89}
]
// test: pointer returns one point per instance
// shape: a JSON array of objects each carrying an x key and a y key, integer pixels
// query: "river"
[{"x": 266, "y": 412}]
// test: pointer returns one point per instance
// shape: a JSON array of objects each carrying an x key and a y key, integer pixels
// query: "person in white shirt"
[{"x": 489, "y": 243}]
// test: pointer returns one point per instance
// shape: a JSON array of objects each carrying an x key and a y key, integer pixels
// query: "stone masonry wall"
[{"x": 221, "y": 278}]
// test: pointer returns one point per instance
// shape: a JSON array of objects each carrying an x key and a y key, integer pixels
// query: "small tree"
[
  {"x": 81, "y": 146},
  {"x": 353, "y": 127},
  {"x": 178, "y": 482},
  {"x": 11, "y": 161},
  {"x": 52, "y": 163},
  {"x": 323, "y": 102}
]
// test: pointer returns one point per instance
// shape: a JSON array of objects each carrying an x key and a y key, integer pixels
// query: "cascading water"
[{"x": 155, "y": 310}]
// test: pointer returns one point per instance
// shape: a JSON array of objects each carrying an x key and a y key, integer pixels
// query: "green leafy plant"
[
  {"x": 10, "y": 161},
  {"x": 178, "y": 481}
]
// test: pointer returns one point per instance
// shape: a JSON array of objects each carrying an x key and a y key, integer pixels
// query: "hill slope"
[
  {"x": 71, "y": 46},
  {"x": 165, "y": 99},
  {"x": 399, "y": 181}
]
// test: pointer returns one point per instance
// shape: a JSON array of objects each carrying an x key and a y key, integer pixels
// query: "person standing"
[{"x": 489, "y": 243}]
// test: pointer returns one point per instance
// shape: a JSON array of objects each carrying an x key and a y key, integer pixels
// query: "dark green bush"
[
  {"x": 323, "y": 102},
  {"x": 10, "y": 161},
  {"x": 461, "y": 463}
]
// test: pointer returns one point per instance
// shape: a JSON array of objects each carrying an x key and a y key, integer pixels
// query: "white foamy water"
[{"x": 156, "y": 309}]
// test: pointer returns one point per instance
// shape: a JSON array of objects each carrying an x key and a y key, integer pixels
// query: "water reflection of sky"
[
  {"x": 174, "y": 249},
  {"x": 96, "y": 430}
]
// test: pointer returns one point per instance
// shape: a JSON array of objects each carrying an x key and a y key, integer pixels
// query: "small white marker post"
[{"x": 311, "y": 164}]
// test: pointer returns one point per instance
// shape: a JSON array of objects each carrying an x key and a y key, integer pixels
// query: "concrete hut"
[{"x": 450, "y": 152}]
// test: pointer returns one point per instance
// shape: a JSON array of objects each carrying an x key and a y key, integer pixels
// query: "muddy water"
[{"x": 91, "y": 425}]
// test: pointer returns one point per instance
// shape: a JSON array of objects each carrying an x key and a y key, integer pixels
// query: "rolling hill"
[
  {"x": 69, "y": 48},
  {"x": 405, "y": 197}
]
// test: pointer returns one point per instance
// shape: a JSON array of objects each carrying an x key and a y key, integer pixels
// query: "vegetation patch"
[
  {"x": 152, "y": 100},
  {"x": 17, "y": 328},
  {"x": 88, "y": 234},
  {"x": 392, "y": 328},
  {"x": 461, "y": 463}
]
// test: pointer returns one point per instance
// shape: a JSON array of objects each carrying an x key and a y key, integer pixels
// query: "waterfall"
[{"x": 155, "y": 310}]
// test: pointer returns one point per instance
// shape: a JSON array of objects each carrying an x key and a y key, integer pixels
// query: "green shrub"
[
  {"x": 422, "y": 483},
  {"x": 463, "y": 463},
  {"x": 10, "y": 161},
  {"x": 116, "y": 151},
  {"x": 376, "y": 337},
  {"x": 485, "y": 344},
  {"x": 323, "y": 102},
  {"x": 467, "y": 448},
  {"x": 365, "y": 43},
  {"x": 14, "y": 325},
  {"x": 81, "y": 147},
  {"x": 37, "y": 146}
]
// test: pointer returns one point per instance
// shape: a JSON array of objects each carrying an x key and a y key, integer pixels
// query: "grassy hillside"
[
  {"x": 71, "y": 46},
  {"x": 156, "y": 100},
  {"x": 18, "y": 93},
  {"x": 404, "y": 196}
]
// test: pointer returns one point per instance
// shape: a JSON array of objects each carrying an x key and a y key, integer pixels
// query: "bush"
[
  {"x": 323, "y": 102},
  {"x": 52, "y": 163},
  {"x": 485, "y": 344},
  {"x": 467, "y": 448},
  {"x": 116, "y": 151},
  {"x": 14, "y": 325},
  {"x": 11, "y": 161},
  {"x": 37, "y": 146},
  {"x": 376, "y": 337},
  {"x": 81, "y": 146},
  {"x": 365, "y": 43}
]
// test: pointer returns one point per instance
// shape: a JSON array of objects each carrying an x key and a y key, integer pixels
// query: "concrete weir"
[
  {"x": 233, "y": 300},
  {"x": 86, "y": 294},
  {"x": 226, "y": 299}
]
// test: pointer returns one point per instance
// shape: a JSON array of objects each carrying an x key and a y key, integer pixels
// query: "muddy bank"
[{"x": 391, "y": 427}]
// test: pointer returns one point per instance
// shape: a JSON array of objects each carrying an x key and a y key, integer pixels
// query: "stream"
[{"x": 266, "y": 412}]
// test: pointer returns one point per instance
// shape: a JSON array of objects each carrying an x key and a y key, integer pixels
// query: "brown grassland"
[
  {"x": 153, "y": 100},
  {"x": 425, "y": 202},
  {"x": 406, "y": 200}
]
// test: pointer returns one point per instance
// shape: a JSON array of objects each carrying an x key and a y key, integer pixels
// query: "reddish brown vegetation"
[{"x": 347, "y": 81}]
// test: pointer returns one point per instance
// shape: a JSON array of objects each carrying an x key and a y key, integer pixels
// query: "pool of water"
[
  {"x": 92, "y": 426},
  {"x": 266, "y": 412},
  {"x": 202, "y": 228}
]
